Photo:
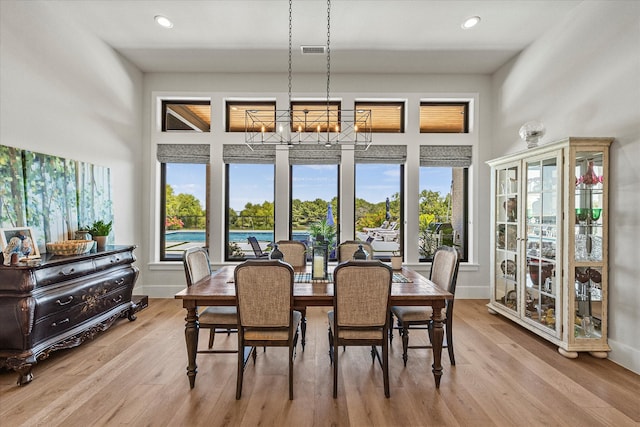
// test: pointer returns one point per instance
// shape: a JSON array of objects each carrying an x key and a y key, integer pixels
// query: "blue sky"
[{"x": 254, "y": 183}]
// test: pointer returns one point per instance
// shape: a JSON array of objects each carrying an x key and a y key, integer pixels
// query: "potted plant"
[{"x": 100, "y": 230}]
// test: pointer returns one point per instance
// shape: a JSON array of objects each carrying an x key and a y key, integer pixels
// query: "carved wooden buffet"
[{"x": 61, "y": 302}]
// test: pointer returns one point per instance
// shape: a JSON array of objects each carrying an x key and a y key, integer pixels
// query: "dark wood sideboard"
[{"x": 61, "y": 302}]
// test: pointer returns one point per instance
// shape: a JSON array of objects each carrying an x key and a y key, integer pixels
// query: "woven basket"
[{"x": 69, "y": 247}]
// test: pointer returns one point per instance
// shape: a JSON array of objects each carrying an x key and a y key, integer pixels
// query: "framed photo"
[{"x": 21, "y": 240}]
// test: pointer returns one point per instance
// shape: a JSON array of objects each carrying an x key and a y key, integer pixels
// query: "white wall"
[
  {"x": 165, "y": 279},
  {"x": 583, "y": 79},
  {"x": 68, "y": 94}
]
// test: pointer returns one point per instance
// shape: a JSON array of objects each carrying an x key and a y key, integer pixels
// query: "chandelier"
[{"x": 329, "y": 126}]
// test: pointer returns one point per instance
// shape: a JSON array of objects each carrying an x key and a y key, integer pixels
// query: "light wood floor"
[{"x": 135, "y": 374}]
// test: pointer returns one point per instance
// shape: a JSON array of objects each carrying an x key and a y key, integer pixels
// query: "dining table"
[{"x": 408, "y": 288}]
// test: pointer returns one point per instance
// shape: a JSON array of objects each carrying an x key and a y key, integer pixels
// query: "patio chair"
[
  {"x": 444, "y": 273},
  {"x": 197, "y": 267},
  {"x": 257, "y": 250},
  {"x": 360, "y": 312},
  {"x": 264, "y": 292}
]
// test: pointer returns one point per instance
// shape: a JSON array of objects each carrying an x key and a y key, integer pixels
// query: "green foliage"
[
  {"x": 235, "y": 252},
  {"x": 100, "y": 228},
  {"x": 186, "y": 208}
]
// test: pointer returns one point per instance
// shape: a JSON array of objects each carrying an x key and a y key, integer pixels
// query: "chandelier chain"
[
  {"x": 290, "y": 32},
  {"x": 328, "y": 51}
]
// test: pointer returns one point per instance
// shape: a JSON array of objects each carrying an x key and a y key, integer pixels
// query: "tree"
[{"x": 185, "y": 207}]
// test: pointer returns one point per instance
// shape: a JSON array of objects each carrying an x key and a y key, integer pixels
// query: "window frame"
[
  {"x": 163, "y": 119},
  {"x": 229, "y": 104},
  {"x": 370, "y": 105}
]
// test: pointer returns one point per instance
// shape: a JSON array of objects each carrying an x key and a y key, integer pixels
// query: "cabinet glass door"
[
  {"x": 588, "y": 234},
  {"x": 506, "y": 217},
  {"x": 542, "y": 220}
]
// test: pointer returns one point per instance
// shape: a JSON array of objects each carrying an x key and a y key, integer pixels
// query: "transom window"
[
  {"x": 444, "y": 117},
  {"x": 311, "y": 116},
  {"x": 186, "y": 115},
  {"x": 386, "y": 117},
  {"x": 236, "y": 112}
]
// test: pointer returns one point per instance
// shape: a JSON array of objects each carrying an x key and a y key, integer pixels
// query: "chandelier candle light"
[{"x": 328, "y": 127}]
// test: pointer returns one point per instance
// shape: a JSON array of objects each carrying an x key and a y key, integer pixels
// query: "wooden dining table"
[{"x": 409, "y": 288}]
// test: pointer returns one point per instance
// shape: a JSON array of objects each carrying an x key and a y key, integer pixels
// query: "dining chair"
[
  {"x": 295, "y": 253},
  {"x": 266, "y": 318},
  {"x": 347, "y": 248},
  {"x": 444, "y": 273},
  {"x": 197, "y": 267},
  {"x": 360, "y": 312}
]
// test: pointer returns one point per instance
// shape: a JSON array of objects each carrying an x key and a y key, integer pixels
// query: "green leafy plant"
[
  {"x": 321, "y": 228},
  {"x": 100, "y": 228}
]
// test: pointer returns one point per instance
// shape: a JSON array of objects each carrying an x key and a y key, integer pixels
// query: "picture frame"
[{"x": 24, "y": 233}]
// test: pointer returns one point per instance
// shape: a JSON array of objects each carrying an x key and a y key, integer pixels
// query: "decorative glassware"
[
  {"x": 595, "y": 214},
  {"x": 582, "y": 215},
  {"x": 587, "y": 326}
]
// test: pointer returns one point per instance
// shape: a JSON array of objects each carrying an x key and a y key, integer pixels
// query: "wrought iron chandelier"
[{"x": 329, "y": 127}]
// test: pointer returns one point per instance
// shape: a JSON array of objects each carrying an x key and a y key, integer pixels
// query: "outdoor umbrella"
[
  {"x": 388, "y": 216},
  {"x": 330, "y": 221}
]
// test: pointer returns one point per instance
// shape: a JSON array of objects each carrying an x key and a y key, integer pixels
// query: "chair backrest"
[
  {"x": 361, "y": 294},
  {"x": 294, "y": 251},
  {"x": 257, "y": 250},
  {"x": 196, "y": 264},
  {"x": 347, "y": 248},
  {"x": 264, "y": 292},
  {"x": 444, "y": 268}
]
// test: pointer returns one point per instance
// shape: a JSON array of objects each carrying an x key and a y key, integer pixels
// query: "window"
[
  {"x": 184, "y": 208},
  {"x": 249, "y": 199},
  {"x": 379, "y": 193},
  {"x": 314, "y": 194},
  {"x": 236, "y": 111},
  {"x": 387, "y": 117},
  {"x": 192, "y": 116},
  {"x": 443, "y": 199},
  {"x": 444, "y": 117},
  {"x": 311, "y": 116}
]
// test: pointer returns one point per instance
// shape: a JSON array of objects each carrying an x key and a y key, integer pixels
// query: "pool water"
[{"x": 234, "y": 236}]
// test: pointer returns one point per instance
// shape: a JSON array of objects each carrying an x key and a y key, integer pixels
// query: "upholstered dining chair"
[
  {"x": 264, "y": 293},
  {"x": 347, "y": 248},
  {"x": 444, "y": 273},
  {"x": 197, "y": 267},
  {"x": 295, "y": 253},
  {"x": 360, "y": 312}
]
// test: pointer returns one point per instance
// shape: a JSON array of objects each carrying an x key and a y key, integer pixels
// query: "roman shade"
[
  {"x": 315, "y": 155},
  {"x": 387, "y": 154},
  {"x": 183, "y": 153},
  {"x": 257, "y": 154},
  {"x": 445, "y": 155}
]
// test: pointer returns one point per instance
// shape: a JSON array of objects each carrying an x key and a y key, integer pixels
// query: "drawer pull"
[
  {"x": 120, "y": 281},
  {"x": 71, "y": 271},
  {"x": 114, "y": 260},
  {"x": 54, "y": 324},
  {"x": 66, "y": 302},
  {"x": 118, "y": 299}
]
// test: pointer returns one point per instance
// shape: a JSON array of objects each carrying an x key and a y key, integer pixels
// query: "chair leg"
[
  {"x": 449, "y": 334},
  {"x": 291, "y": 353},
  {"x": 330, "y": 345},
  {"x": 335, "y": 371},
  {"x": 240, "y": 367},
  {"x": 212, "y": 335},
  {"x": 303, "y": 326},
  {"x": 405, "y": 343},
  {"x": 391, "y": 326},
  {"x": 385, "y": 367}
]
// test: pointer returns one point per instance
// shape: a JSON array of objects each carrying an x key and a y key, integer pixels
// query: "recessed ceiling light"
[
  {"x": 470, "y": 22},
  {"x": 163, "y": 21}
]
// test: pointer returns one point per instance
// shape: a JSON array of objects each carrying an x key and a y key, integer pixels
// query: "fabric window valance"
[
  {"x": 314, "y": 155},
  {"x": 388, "y": 154},
  {"x": 445, "y": 155},
  {"x": 183, "y": 153},
  {"x": 258, "y": 154}
]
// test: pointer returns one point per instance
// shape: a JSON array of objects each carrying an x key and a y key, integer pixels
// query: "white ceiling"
[{"x": 367, "y": 36}]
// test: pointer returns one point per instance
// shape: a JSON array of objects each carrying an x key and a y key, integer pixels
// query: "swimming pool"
[{"x": 234, "y": 236}]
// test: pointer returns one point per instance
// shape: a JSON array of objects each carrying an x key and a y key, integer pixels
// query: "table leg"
[
  {"x": 436, "y": 343},
  {"x": 191, "y": 330}
]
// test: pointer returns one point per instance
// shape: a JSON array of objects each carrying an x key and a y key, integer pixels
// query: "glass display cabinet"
[{"x": 549, "y": 242}]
